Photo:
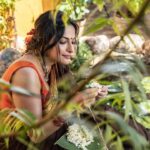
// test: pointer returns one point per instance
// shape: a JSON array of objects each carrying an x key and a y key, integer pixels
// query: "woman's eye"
[
  {"x": 62, "y": 42},
  {"x": 74, "y": 42}
]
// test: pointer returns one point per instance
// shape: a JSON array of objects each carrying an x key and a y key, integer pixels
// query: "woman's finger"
[{"x": 88, "y": 103}]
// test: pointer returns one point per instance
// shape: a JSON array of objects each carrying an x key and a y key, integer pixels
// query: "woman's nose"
[{"x": 70, "y": 47}]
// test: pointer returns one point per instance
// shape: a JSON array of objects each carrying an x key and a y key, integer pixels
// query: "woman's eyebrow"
[{"x": 68, "y": 38}]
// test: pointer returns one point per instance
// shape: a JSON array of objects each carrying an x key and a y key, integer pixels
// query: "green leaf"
[
  {"x": 146, "y": 84},
  {"x": 6, "y": 140},
  {"x": 119, "y": 144},
  {"x": 130, "y": 132},
  {"x": 97, "y": 24},
  {"x": 142, "y": 115},
  {"x": 136, "y": 78},
  {"x": 30, "y": 145},
  {"x": 7, "y": 87},
  {"x": 114, "y": 88},
  {"x": 128, "y": 105},
  {"x": 64, "y": 143},
  {"x": 134, "y": 5},
  {"x": 116, "y": 28},
  {"x": 83, "y": 54},
  {"x": 23, "y": 115},
  {"x": 109, "y": 135},
  {"x": 22, "y": 91},
  {"x": 109, "y": 97},
  {"x": 99, "y": 3}
]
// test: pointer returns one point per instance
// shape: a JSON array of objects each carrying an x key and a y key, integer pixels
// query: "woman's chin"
[{"x": 66, "y": 61}]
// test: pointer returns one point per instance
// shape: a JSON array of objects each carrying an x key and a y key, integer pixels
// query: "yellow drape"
[{"x": 54, "y": 3}]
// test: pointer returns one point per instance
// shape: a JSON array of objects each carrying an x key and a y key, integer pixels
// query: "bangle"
[{"x": 58, "y": 121}]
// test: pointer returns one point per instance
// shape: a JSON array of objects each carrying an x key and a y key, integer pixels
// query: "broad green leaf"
[
  {"x": 64, "y": 143},
  {"x": 116, "y": 67}
]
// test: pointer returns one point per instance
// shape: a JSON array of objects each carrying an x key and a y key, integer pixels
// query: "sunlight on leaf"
[
  {"x": 128, "y": 105},
  {"x": 100, "y": 4},
  {"x": 146, "y": 84}
]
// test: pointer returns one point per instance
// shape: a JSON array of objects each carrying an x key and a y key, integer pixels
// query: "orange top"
[{"x": 5, "y": 99}]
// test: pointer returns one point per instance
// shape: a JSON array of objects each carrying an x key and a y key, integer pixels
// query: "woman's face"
[{"x": 67, "y": 46}]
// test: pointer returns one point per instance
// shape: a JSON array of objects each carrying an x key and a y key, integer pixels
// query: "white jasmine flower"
[
  {"x": 94, "y": 84},
  {"x": 79, "y": 136}
]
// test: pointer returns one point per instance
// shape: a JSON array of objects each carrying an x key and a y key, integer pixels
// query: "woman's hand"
[
  {"x": 102, "y": 92},
  {"x": 86, "y": 97},
  {"x": 102, "y": 89}
]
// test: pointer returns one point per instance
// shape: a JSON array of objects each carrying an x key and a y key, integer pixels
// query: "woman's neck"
[
  {"x": 48, "y": 63},
  {"x": 43, "y": 63}
]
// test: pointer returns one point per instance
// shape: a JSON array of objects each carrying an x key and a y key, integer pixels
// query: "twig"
[{"x": 99, "y": 130}]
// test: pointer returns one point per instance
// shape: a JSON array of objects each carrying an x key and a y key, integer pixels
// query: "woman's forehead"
[
  {"x": 69, "y": 32},
  {"x": 67, "y": 38}
]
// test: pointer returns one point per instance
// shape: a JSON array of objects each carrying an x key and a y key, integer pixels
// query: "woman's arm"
[{"x": 27, "y": 78}]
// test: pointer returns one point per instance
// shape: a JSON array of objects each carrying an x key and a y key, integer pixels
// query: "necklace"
[
  {"x": 49, "y": 75},
  {"x": 46, "y": 73},
  {"x": 44, "y": 68},
  {"x": 41, "y": 62}
]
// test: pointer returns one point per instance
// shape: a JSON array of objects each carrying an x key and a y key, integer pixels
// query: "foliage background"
[{"x": 121, "y": 118}]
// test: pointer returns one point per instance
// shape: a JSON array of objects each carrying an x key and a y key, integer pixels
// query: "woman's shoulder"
[
  {"x": 25, "y": 74},
  {"x": 26, "y": 71},
  {"x": 26, "y": 77},
  {"x": 26, "y": 61},
  {"x": 22, "y": 67}
]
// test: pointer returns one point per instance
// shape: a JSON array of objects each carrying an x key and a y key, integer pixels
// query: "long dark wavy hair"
[{"x": 48, "y": 30}]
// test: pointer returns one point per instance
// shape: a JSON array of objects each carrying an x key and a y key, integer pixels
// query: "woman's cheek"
[{"x": 62, "y": 48}]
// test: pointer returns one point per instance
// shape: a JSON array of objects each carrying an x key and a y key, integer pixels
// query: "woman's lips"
[{"x": 67, "y": 56}]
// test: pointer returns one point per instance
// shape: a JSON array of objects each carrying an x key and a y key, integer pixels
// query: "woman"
[{"x": 52, "y": 47}]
